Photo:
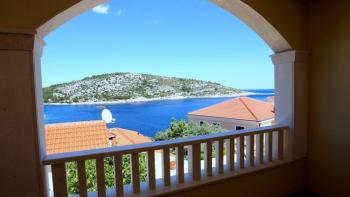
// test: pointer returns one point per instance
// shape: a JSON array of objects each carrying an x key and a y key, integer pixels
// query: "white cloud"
[
  {"x": 101, "y": 9},
  {"x": 121, "y": 12}
]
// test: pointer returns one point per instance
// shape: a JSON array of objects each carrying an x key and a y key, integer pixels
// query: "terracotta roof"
[
  {"x": 77, "y": 136},
  {"x": 242, "y": 108},
  {"x": 127, "y": 137}
]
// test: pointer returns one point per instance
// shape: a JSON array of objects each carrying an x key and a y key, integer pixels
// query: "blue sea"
[{"x": 144, "y": 117}]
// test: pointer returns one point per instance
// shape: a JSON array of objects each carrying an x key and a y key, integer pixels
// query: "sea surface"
[{"x": 144, "y": 117}]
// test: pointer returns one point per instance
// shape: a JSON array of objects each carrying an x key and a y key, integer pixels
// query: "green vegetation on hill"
[{"x": 124, "y": 86}]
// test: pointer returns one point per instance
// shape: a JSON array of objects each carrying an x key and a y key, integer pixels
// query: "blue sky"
[{"x": 182, "y": 38}]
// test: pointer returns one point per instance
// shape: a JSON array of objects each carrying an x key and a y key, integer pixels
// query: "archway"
[
  {"x": 21, "y": 80},
  {"x": 238, "y": 8}
]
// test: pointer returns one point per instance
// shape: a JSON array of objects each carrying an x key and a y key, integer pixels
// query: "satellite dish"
[{"x": 107, "y": 116}]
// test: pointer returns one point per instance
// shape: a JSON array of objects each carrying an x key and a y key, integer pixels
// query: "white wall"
[
  {"x": 20, "y": 146},
  {"x": 226, "y": 123}
]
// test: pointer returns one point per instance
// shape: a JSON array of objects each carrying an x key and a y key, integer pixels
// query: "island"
[{"x": 133, "y": 87}]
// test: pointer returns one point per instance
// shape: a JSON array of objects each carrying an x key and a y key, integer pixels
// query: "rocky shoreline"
[{"x": 142, "y": 99}]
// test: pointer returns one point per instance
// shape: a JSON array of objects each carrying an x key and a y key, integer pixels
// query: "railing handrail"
[{"x": 122, "y": 150}]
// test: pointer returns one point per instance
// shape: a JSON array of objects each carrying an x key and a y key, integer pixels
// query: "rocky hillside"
[{"x": 128, "y": 86}]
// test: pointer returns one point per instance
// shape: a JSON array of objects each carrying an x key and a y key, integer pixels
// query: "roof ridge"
[
  {"x": 74, "y": 123},
  {"x": 212, "y": 106},
  {"x": 122, "y": 133},
  {"x": 245, "y": 105}
]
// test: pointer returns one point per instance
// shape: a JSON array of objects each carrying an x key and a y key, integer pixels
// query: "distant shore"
[{"x": 142, "y": 99}]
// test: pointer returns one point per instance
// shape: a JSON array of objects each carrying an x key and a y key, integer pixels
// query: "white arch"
[
  {"x": 66, "y": 15},
  {"x": 238, "y": 8},
  {"x": 257, "y": 22}
]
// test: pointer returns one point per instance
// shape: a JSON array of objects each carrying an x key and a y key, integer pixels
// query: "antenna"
[{"x": 107, "y": 116}]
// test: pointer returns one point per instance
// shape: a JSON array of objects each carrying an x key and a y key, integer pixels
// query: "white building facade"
[{"x": 236, "y": 114}]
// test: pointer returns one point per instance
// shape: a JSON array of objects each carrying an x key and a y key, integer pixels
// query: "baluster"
[
  {"x": 280, "y": 145},
  {"x": 59, "y": 180},
  {"x": 251, "y": 150},
  {"x": 135, "y": 172},
  {"x": 194, "y": 155},
  {"x": 219, "y": 156},
  {"x": 237, "y": 151},
  {"x": 180, "y": 164},
  {"x": 151, "y": 170},
  {"x": 208, "y": 158},
  {"x": 241, "y": 152},
  {"x": 288, "y": 142},
  {"x": 230, "y": 153},
  {"x": 269, "y": 154},
  {"x": 101, "y": 189},
  {"x": 82, "y": 179},
  {"x": 260, "y": 148},
  {"x": 118, "y": 175},
  {"x": 166, "y": 166}
]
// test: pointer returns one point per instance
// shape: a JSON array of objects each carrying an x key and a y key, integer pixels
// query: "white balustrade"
[{"x": 235, "y": 153}]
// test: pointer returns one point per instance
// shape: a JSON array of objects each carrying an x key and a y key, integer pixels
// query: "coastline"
[{"x": 142, "y": 99}]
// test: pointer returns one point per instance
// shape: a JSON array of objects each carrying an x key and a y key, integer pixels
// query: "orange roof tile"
[
  {"x": 242, "y": 108},
  {"x": 127, "y": 137},
  {"x": 76, "y": 136}
]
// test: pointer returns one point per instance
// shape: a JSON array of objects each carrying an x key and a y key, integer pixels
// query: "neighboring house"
[
  {"x": 122, "y": 137},
  {"x": 77, "y": 136},
  {"x": 236, "y": 114}
]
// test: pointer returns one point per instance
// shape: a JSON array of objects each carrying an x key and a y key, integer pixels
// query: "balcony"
[{"x": 236, "y": 153}]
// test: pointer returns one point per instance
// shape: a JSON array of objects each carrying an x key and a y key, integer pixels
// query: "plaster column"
[
  {"x": 291, "y": 71},
  {"x": 21, "y": 115}
]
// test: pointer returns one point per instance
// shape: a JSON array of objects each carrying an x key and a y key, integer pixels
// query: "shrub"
[
  {"x": 90, "y": 170},
  {"x": 180, "y": 129}
]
